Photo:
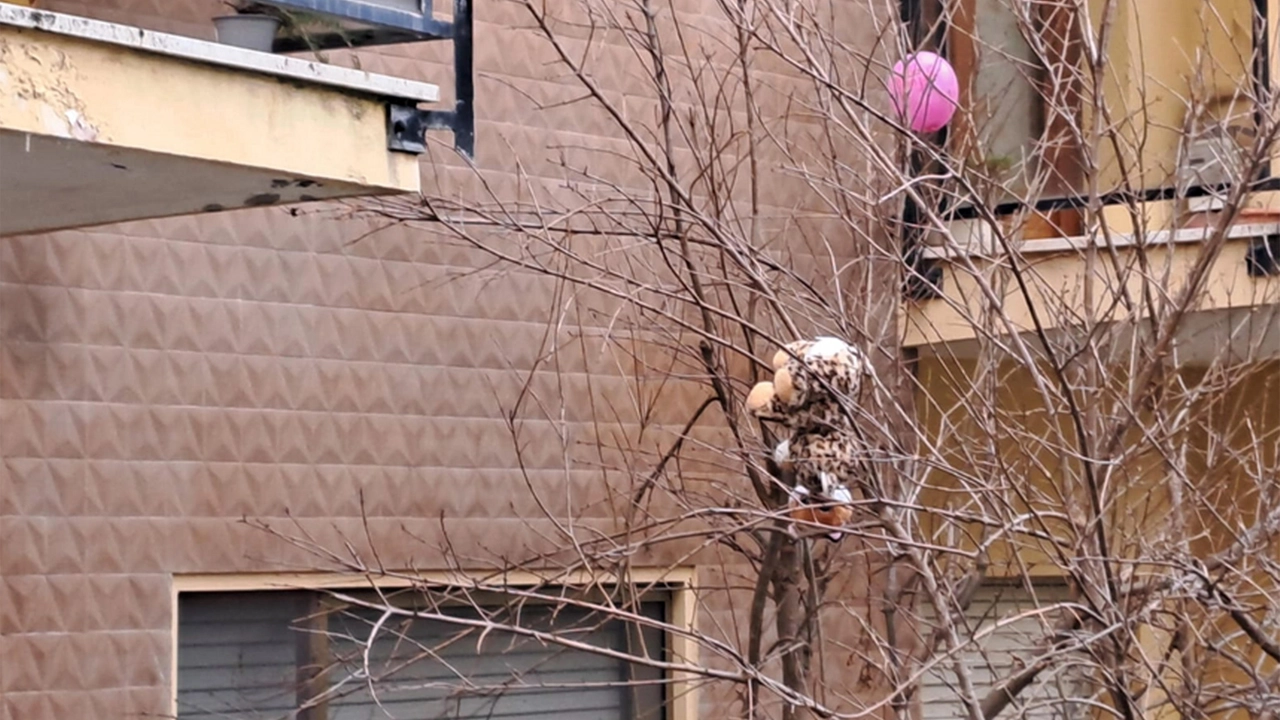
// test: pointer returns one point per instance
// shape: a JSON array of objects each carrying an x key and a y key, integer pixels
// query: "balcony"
[
  {"x": 1076, "y": 177},
  {"x": 101, "y": 123}
]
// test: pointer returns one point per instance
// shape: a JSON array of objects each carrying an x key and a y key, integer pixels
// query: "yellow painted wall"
[
  {"x": 1237, "y": 432},
  {"x": 1014, "y": 456},
  {"x": 1164, "y": 53},
  {"x": 1239, "y": 479}
]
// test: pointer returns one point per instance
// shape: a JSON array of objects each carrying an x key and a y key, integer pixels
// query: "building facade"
[
  {"x": 230, "y": 398},
  {"x": 206, "y": 386}
]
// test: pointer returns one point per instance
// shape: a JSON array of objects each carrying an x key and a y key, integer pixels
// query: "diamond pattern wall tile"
[
  {"x": 25, "y": 258},
  {"x": 104, "y": 259},
  {"x": 291, "y": 446},
  {"x": 100, "y": 554},
  {"x": 141, "y": 544},
  {"x": 337, "y": 386},
  {"x": 299, "y": 380},
  {"x": 31, "y": 608},
  {"x": 228, "y": 380},
  {"x": 261, "y": 386},
  {"x": 367, "y": 380},
  {"x": 257, "y": 441},
  {"x": 16, "y": 361},
  {"x": 40, "y": 313},
  {"x": 323, "y": 438},
  {"x": 266, "y": 278},
  {"x": 41, "y": 661},
  {"x": 337, "y": 280},
  {"x": 147, "y": 656},
  {"x": 10, "y": 620},
  {"x": 32, "y": 488},
  {"x": 66, "y": 266},
  {"x": 146, "y": 267},
  {"x": 355, "y": 333},
  {"x": 63, "y": 554},
  {"x": 214, "y": 326},
  {"x": 326, "y": 339},
  {"x": 227, "y": 272},
  {"x": 94, "y": 674},
  {"x": 60, "y": 427},
  {"x": 301, "y": 271},
  {"x": 405, "y": 387},
  {"x": 365, "y": 446},
  {"x": 299, "y": 487},
  {"x": 123, "y": 492},
  {"x": 423, "y": 341},
  {"x": 106, "y": 431},
  {"x": 31, "y": 704}
]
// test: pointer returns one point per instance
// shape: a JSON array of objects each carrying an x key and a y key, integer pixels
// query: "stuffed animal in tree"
[
  {"x": 812, "y": 392},
  {"x": 813, "y": 383}
]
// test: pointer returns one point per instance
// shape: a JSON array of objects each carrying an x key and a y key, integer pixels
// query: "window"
[
  {"x": 997, "y": 653},
  {"x": 1179, "y": 86},
  {"x": 296, "y": 654},
  {"x": 1017, "y": 61}
]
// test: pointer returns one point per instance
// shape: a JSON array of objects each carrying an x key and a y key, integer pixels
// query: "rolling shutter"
[
  {"x": 245, "y": 656},
  {"x": 237, "y": 655},
  {"x": 1003, "y": 652}
]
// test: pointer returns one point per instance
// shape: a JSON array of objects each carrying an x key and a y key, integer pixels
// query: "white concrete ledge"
[
  {"x": 977, "y": 241},
  {"x": 203, "y": 51}
]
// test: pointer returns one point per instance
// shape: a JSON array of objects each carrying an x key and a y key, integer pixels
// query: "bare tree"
[{"x": 1066, "y": 495}]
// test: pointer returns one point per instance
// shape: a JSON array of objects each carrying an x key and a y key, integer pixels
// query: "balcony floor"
[{"x": 49, "y": 183}]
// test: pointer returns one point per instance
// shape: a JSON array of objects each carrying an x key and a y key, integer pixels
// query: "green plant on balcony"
[
  {"x": 317, "y": 31},
  {"x": 246, "y": 7}
]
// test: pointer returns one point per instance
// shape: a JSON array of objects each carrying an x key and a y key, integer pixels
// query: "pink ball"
[{"x": 924, "y": 91}]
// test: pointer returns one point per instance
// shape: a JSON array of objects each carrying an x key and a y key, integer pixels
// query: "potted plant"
[{"x": 253, "y": 26}]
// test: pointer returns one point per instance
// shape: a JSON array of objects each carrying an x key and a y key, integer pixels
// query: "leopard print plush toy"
[{"x": 814, "y": 385}]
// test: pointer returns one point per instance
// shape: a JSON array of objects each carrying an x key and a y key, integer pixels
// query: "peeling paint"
[
  {"x": 40, "y": 79},
  {"x": 80, "y": 129}
]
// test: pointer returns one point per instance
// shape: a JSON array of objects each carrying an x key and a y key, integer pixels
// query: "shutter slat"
[{"x": 999, "y": 655}]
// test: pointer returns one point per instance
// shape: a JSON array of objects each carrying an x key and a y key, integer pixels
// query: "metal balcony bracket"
[{"x": 407, "y": 126}]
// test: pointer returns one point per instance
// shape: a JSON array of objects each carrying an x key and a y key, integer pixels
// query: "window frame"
[{"x": 677, "y": 584}]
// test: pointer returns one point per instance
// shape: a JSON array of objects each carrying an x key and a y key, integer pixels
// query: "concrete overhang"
[
  {"x": 101, "y": 122},
  {"x": 1203, "y": 338}
]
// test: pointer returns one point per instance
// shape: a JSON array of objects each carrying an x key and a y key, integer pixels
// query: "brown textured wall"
[{"x": 161, "y": 381}]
